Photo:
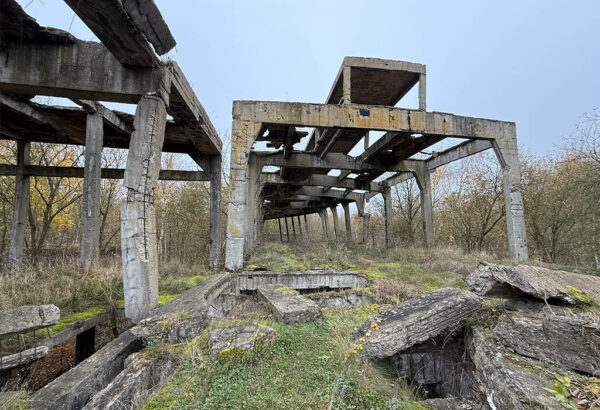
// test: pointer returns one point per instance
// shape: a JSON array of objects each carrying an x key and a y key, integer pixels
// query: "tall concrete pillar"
[
  {"x": 280, "y": 233},
  {"x": 424, "y": 182},
  {"x": 138, "y": 217},
  {"x": 348, "y": 221},
  {"x": 507, "y": 151},
  {"x": 336, "y": 227},
  {"x": 365, "y": 232},
  {"x": 387, "y": 217},
  {"x": 243, "y": 134},
  {"x": 293, "y": 227},
  {"x": 215, "y": 211},
  {"x": 299, "y": 225},
  {"x": 253, "y": 204},
  {"x": 92, "y": 181},
  {"x": 323, "y": 216},
  {"x": 16, "y": 247},
  {"x": 287, "y": 229},
  {"x": 306, "y": 225}
]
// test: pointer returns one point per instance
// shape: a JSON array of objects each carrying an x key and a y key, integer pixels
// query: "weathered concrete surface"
[
  {"x": 16, "y": 246},
  {"x": 215, "y": 211},
  {"x": 440, "y": 364},
  {"x": 24, "y": 357},
  {"x": 546, "y": 284},
  {"x": 416, "y": 321},
  {"x": 90, "y": 214},
  {"x": 27, "y": 319},
  {"x": 288, "y": 305},
  {"x": 74, "y": 388},
  {"x": 234, "y": 338},
  {"x": 142, "y": 375},
  {"x": 349, "y": 298},
  {"x": 138, "y": 218},
  {"x": 315, "y": 279},
  {"x": 504, "y": 379},
  {"x": 186, "y": 316},
  {"x": 569, "y": 342}
]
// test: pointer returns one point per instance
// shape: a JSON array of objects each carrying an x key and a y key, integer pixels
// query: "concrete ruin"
[
  {"x": 124, "y": 67},
  {"x": 363, "y": 99}
]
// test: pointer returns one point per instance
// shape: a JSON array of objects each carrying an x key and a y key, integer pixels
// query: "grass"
[{"x": 304, "y": 368}]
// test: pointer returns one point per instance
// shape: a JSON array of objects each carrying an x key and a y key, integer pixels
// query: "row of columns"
[
  {"x": 139, "y": 248},
  {"x": 293, "y": 224}
]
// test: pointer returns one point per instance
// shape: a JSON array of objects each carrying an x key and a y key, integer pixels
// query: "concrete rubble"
[
  {"x": 288, "y": 305},
  {"x": 416, "y": 321},
  {"x": 540, "y": 283},
  {"x": 229, "y": 341}
]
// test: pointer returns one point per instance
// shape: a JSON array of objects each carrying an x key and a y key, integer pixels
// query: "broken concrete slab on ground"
[
  {"x": 288, "y": 305},
  {"x": 27, "y": 319},
  {"x": 416, "y": 321},
  {"x": 533, "y": 281},
  {"x": 227, "y": 342}
]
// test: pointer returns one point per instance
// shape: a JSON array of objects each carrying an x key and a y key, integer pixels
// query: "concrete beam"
[
  {"x": 319, "y": 180},
  {"x": 106, "y": 173},
  {"x": 320, "y": 193},
  {"x": 371, "y": 118},
  {"x": 133, "y": 23},
  {"x": 107, "y": 114}
]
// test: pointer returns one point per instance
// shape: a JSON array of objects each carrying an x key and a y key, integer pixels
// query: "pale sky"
[{"x": 535, "y": 63}]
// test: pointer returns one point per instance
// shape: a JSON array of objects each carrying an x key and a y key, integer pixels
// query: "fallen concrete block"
[
  {"x": 233, "y": 339},
  {"x": 417, "y": 320},
  {"x": 288, "y": 305},
  {"x": 141, "y": 376},
  {"x": 545, "y": 284},
  {"x": 27, "y": 319},
  {"x": 509, "y": 381},
  {"x": 570, "y": 342},
  {"x": 24, "y": 357}
]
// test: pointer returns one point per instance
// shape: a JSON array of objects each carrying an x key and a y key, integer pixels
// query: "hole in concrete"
[{"x": 438, "y": 368}]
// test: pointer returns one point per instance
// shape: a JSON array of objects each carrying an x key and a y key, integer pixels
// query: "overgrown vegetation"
[{"x": 303, "y": 368}]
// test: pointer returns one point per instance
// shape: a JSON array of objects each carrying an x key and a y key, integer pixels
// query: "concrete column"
[
  {"x": 138, "y": 217},
  {"x": 280, "y": 233},
  {"x": 287, "y": 229},
  {"x": 299, "y": 226},
  {"x": 253, "y": 204},
  {"x": 306, "y": 225},
  {"x": 424, "y": 182},
  {"x": 293, "y": 227},
  {"x": 422, "y": 92},
  {"x": 336, "y": 227},
  {"x": 387, "y": 217},
  {"x": 215, "y": 211},
  {"x": 346, "y": 83},
  {"x": 242, "y": 137},
  {"x": 366, "y": 221},
  {"x": 16, "y": 247},
  {"x": 348, "y": 221},
  {"x": 92, "y": 181},
  {"x": 508, "y": 155},
  {"x": 323, "y": 216}
]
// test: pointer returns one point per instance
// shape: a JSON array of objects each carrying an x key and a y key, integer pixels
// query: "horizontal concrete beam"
[
  {"x": 73, "y": 70},
  {"x": 371, "y": 118},
  {"x": 320, "y": 193},
  {"x": 107, "y": 173},
  {"x": 107, "y": 114},
  {"x": 319, "y": 180},
  {"x": 332, "y": 161}
]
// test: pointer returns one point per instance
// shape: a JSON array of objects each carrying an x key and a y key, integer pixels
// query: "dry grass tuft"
[{"x": 392, "y": 291}]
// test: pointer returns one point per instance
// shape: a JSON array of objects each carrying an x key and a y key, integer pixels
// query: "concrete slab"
[{"x": 288, "y": 305}]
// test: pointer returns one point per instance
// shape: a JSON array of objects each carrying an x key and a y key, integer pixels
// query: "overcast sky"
[{"x": 535, "y": 63}]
